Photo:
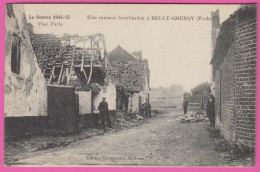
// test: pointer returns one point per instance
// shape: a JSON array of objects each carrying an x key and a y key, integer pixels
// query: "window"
[{"x": 16, "y": 54}]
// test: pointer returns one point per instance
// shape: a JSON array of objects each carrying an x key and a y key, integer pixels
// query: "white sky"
[{"x": 179, "y": 52}]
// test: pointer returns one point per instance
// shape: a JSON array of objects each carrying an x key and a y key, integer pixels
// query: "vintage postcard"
[{"x": 146, "y": 85}]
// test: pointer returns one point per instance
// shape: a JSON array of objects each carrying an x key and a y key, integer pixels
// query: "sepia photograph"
[{"x": 130, "y": 85}]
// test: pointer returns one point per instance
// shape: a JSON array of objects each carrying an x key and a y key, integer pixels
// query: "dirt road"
[{"x": 162, "y": 141}]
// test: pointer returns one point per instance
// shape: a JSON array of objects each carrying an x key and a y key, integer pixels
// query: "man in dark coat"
[
  {"x": 104, "y": 113},
  {"x": 211, "y": 110},
  {"x": 147, "y": 108},
  {"x": 185, "y": 105}
]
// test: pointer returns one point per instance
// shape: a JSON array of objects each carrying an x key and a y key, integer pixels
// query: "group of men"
[
  {"x": 210, "y": 108},
  {"x": 146, "y": 109},
  {"x": 104, "y": 112}
]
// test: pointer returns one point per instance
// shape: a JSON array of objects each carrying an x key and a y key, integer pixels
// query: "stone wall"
[{"x": 25, "y": 87}]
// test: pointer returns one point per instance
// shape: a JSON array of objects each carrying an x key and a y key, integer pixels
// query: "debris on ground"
[
  {"x": 15, "y": 149},
  {"x": 232, "y": 154},
  {"x": 199, "y": 116}
]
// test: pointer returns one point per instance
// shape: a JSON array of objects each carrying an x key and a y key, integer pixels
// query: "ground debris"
[
  {"x": 199, "y": 116},
  {"x": 20, "y": 148},
  {"x": 232, "y": 154}
]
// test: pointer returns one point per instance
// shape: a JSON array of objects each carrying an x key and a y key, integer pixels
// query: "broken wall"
[{"x": 25, "y": 88}]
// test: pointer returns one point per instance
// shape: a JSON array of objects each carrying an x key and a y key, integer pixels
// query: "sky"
[{"x": 178, "y": 51}]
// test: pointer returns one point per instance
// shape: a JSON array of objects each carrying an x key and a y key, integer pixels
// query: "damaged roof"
[
  {"x": 46, "y": 48},
  {"x": 125, "y": 70}
]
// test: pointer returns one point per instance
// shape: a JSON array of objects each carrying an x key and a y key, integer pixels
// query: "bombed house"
[
  {"x": 25, "y": 94},
  {"x": 129, "y": 74},
  {"x": 56, "y": 83},
  {"x": 75, "y": 70},
  {"x": 234, "y": 76}
]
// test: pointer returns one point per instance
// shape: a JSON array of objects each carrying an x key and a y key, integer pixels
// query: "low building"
[{"x": 234, "y": 76}]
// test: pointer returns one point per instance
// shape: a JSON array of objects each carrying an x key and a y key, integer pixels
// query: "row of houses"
[
  {"x": 233, "y": 62},
  {"x": 57, "y": 82}
]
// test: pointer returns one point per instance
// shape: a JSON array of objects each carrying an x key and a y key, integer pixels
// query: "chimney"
[
  {"x": 214, "y": 35},
  {"x": 30, "y": 29},
  {"x": 215, "y": 29},
  {"x": 137, "y": 54}
]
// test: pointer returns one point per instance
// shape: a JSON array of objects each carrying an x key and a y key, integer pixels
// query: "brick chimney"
[
  {"x": 215, "y": 29},
  {"x": 214, "y": 34},
  {"x": 137, "y": 54},
  {"x": 30, "y": 29}
]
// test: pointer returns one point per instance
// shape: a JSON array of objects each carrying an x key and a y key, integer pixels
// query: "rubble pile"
[{"x": 193, "y": 117}]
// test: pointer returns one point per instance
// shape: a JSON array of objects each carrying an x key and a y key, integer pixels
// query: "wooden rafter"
[
  {"x": 91, "y": 65},
  {"x": 52, "y": 73},
  {"x": 72, "y": 64},
  {"x": 80, "y": 58},
  {"x": 61, "y": 70}
]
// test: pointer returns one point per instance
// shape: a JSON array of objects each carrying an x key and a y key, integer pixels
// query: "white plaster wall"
[
  {"x": 26, "y": 93},
  {"x": 110, "y": 93},
  {"x": 134, "y": 99},
  {"x": 84, "y": 102},
  {"x": 96, "y": 100}
]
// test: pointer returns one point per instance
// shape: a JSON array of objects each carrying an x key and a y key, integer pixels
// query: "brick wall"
[
  {"x": 234, "y": 77},
  {"x": 225, "y": 92},
  {"x": 245, "y": 78}
]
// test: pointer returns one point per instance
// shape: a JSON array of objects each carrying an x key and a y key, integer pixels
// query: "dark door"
[{"x": 62, "y": 109}]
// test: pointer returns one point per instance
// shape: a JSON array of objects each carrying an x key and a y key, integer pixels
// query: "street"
[{"x": 162, "y": 141}]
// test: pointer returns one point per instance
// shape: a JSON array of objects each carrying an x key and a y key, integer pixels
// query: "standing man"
[
  {"x": 185, "y": 105},
  {"x": 104, "y": 113},
  {"x": 211, "y": 110},
  {"x": 147, "y": 108}
]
